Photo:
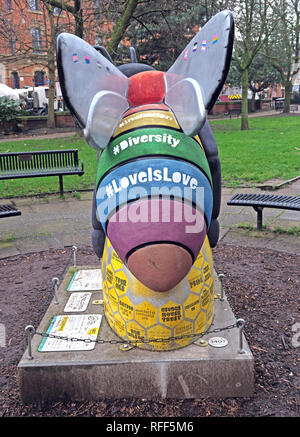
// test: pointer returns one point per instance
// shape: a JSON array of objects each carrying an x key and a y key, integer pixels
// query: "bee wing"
[
  {"x": 205, "y": 60},
  {"x": 83, "y": 72}
]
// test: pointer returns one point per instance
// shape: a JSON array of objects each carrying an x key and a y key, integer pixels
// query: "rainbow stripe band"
[
  {"x": 146, "y": 178},
  {"x": 146, "y": 118},
  {"x": 151, "y": 142}
]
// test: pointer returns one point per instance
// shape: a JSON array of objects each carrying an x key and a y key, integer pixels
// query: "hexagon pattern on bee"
[{"x": 138, "y": 314}]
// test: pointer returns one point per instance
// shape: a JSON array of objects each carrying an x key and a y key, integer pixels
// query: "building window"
[
  {"x": 8, "y": 5},
  {"x": 33, "y": 5},
  {"x": 39, "y": 78},
  {"x": 16, "y": 80},
  {"x": 36, "y": 38}
]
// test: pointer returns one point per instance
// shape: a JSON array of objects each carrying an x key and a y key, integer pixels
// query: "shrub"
[{"x": 9, "y": 111}]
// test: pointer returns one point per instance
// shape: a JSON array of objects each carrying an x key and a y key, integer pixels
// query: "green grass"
[
  {"x": 249, "y": 226},
  {"x": 50, "y": 184},
  {"x": 8, "y": 238},
  {"x": 270, "y": 149},
  {"x": 295, "y": 230}
]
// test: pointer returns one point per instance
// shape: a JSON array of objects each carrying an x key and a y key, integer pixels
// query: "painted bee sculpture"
[{"x": 158, "y": 185}]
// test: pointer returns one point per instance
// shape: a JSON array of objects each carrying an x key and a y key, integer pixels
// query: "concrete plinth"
[{"x": 109, "y": 372}]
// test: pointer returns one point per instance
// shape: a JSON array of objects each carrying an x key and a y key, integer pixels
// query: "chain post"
[
  {"x": 30, "y": 331},
  {"x": 55, "y": 282},
  {"x": 221, "y": 276},
  {"x": 74, "y": 250},
  {"x": 240, "y": 324}
]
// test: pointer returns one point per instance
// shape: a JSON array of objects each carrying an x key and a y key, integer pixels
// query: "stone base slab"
[{"x": 109, "y": 372}]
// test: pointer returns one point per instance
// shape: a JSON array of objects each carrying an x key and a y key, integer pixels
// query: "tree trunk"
[
  {"x": 121, "y": 26},
  {"x": 287, "y": 99},
  {"x": 51, "y": 70},
  {"x": 75, "y": 10},
  {"x": 78, "y": 15},
  {"x": 244, "y": 122}
]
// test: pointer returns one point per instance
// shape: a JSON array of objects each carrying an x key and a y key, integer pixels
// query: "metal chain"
[{"x": 153, "y": 340}]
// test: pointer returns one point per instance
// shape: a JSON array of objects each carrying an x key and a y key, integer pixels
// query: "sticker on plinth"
[
  {"x": 71, "y": 327},
  {"x": 86, "y": 280},
  {"x": 218, "y": 342},
  {"x": 77, "y": 302}
]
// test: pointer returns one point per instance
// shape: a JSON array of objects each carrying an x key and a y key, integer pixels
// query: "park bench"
[
  {"x": 41, "y": 163},
  {"x": 9, "y": 211},
  {"x": 235, "y": 111},
  {"x": 261, "y": 201},
  {"x": 294, "y": 108}
]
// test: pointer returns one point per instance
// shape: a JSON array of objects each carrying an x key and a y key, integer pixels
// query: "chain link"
[{"x": 138, "y": 341}]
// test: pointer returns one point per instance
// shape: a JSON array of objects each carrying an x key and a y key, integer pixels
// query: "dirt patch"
[{"x": 262, "y": 287}]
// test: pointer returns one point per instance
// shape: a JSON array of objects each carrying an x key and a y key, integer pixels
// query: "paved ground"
[{"x": 58, "y": 223}]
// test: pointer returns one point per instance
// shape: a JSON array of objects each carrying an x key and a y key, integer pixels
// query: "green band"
[{"x": 152, "y": 141}]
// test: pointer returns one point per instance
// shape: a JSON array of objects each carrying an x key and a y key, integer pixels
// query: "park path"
[{"x": 48, "y": 223}]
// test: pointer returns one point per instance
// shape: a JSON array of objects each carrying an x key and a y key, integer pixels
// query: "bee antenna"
[
  {"x": 133, "y": 56},
  {"x": 104, "y": 52}
]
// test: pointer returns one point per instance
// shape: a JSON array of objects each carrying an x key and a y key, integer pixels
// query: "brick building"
[{"x": 25, "y": 38}]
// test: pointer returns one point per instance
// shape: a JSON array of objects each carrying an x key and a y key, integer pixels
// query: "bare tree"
[
  {"x": 21, "y": 49},
  {"x": 250, "y": 19},
  {"x": 51, "y": 67},
  {"x": 282, "y": 42},
  {"x": 74, "y": 8},
  {"x": 121, "y": 25}
]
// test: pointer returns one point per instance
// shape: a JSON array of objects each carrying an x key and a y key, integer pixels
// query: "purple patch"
[{"x": 156, "y": 220}]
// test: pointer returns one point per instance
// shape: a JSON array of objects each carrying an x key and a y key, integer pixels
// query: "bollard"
[
  {"x": 30, "y": 331},
  {"x": 240, "y": 323},
  {"x": 55, "y": 282},
  {"x": 222, "y": 277},
  {"x": 74, "y": 250}
]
